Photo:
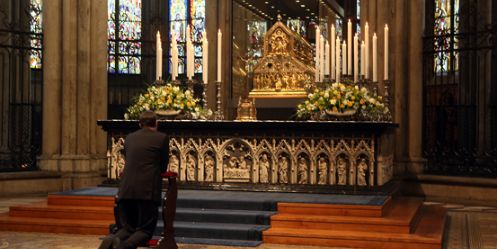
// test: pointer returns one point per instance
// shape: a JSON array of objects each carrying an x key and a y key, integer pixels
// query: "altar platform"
[{"x": 243, "y": 218}]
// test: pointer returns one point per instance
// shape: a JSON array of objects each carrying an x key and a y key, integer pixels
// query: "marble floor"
[{"x": 469, "y": 227}]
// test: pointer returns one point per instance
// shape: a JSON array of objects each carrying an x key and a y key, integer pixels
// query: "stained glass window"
[
  {"x": 124, "y": 34},
  {"x": 191, "y": 13},
  {"x": 35, "y": 26},
  {"x": 445, "y": 43},
  {"x": 338, "y": 25},
  {"x": 358, "y": 17},
  {"x": 297, "y": 25},
  {"x": 256, "y": 31}
]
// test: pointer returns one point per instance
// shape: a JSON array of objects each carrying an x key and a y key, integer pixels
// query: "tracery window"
[
  {"x": 445, "y": 43},
  {"x": 184, "y": 13},
  {"x": 35, "y": 27},
  {"x": 124, "y": 34},
  {"x": 358, "y": 17},
  {"x": 338, "y": 25}
]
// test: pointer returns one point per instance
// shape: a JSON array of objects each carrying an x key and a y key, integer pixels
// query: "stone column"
[
  {"x": 399, "y": 78},
  {"x": 75, "y": 90},
  {"x": 52, "y": 85},
  {"x": 406, "y": 26},
  {"x": 416, "y": 17}
]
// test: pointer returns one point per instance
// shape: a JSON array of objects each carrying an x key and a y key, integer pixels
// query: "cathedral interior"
[{"x": 367, "y": 106}]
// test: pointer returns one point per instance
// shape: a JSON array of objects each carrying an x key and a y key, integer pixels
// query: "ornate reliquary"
[{"x": 287, "y": 67}]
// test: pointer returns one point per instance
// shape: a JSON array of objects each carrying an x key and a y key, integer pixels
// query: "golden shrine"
[{"x": 287, "y": 68}]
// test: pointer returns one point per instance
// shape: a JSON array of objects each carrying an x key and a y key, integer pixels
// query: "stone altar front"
[{"x": 269, "y": 155}]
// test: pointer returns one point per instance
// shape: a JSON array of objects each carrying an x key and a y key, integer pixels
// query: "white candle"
[
  {"x": 321, "y": 63},
  {"x": 189, "y": 55},
  {"x": 174, "y": 57},
  {"x": 385, "y": 67},
  {"x": 337, "y": 59},
  {"x": 344, "y": 57},
  {"x": 356, "y": 59},
  {"x": 375, "y": 50},
  {"x": 363, "y": 58},
  {"x": 158, "y": 57},
  {"x": 327, "y": 58},
  {"x": 317, "y": 59},
  {"x": 219, "y": 50},
  {"x": 349, "y": 46},
  {"x": 366, "y": 58},
  {"x": 205, "y": 60},
  {"x": 332, "y": 39}
]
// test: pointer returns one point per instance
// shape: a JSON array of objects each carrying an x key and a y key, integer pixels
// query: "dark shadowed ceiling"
[{"x": 304, "y": 9}]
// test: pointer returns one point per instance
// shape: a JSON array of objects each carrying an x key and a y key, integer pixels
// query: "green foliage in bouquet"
[
  {"x": 166, "y": 97},
  {"x": 343, "y": 98}
]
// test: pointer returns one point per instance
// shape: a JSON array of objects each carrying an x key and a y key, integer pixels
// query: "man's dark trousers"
[{"x": 139, "y": 219}]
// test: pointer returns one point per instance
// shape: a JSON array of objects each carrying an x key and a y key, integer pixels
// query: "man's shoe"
[
  {"x": 107, "y": 242},
  {"x": 116, "y": 242}
]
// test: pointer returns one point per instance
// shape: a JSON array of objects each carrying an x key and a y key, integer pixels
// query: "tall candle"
[
  {"x": 337, "y": 59},
  {"x": 318, "y": 57},
  {"x": 205, "y": 60},
  {"x": 158, "y": 57},
  {"x": 189, "y": 55},
  {"x": 327, "y": 58},
  {"x": 366, "y": 58},
  {"x": 349, "y": 46},
  {"x": 219, "y": 50},
  {"x": 363, "y": 58},
  {"x": 321, "y": 63},
  {"x": 385, "y": 67},
  {"x": 356, "y": 59},
  {"x": 332, "y": 39},
  {"x": 174, "y": 57},
  {"x": 375, "y": 50},
  {"x": 344, "y": 57}
]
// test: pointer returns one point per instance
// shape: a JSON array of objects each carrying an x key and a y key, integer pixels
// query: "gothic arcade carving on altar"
[
  {"x": 303, "y": 161},
  {"x": 286, "y": 69}
]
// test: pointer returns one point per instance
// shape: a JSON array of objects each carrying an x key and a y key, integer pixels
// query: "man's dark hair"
[{"x": 148, "y": 119}]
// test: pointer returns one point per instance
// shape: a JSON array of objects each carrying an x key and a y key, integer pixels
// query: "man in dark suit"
[{"x": 139, "y": 196}]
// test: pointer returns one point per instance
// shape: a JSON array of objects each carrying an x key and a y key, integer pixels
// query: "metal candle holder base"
[
  {"x": 204, "y": 95},
  {"x": 218, "y": 115}
]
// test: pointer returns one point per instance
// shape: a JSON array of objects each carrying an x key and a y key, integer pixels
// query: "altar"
[{"x": 285, "y": 156}]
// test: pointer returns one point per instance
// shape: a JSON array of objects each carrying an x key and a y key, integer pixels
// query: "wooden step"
[
  {"x": 427, "y": 235},
  {"x": 43, "y": 210},
  {"x": 400, "y": 219},
  {"x": 46, "y": 225},
  {"x": 335, "y": 209},
  {"x": 73, "y": 200}
]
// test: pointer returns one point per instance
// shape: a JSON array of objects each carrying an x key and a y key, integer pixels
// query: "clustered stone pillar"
[
  {"x": 406, "y": 22},
  {"x": 74, "y": 90}
]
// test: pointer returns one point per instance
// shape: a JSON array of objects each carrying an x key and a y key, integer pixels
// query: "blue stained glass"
[
  {"x": 179, "y": 18},
  {"x": 177, "y": 15},
  {"x": 198, "y": 50},
  {"x": 197, "y": 15},
  {"x": 128, "y": 58}
]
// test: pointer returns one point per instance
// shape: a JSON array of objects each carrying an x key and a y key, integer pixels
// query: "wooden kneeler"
[{"x": 167, "y": 240}]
